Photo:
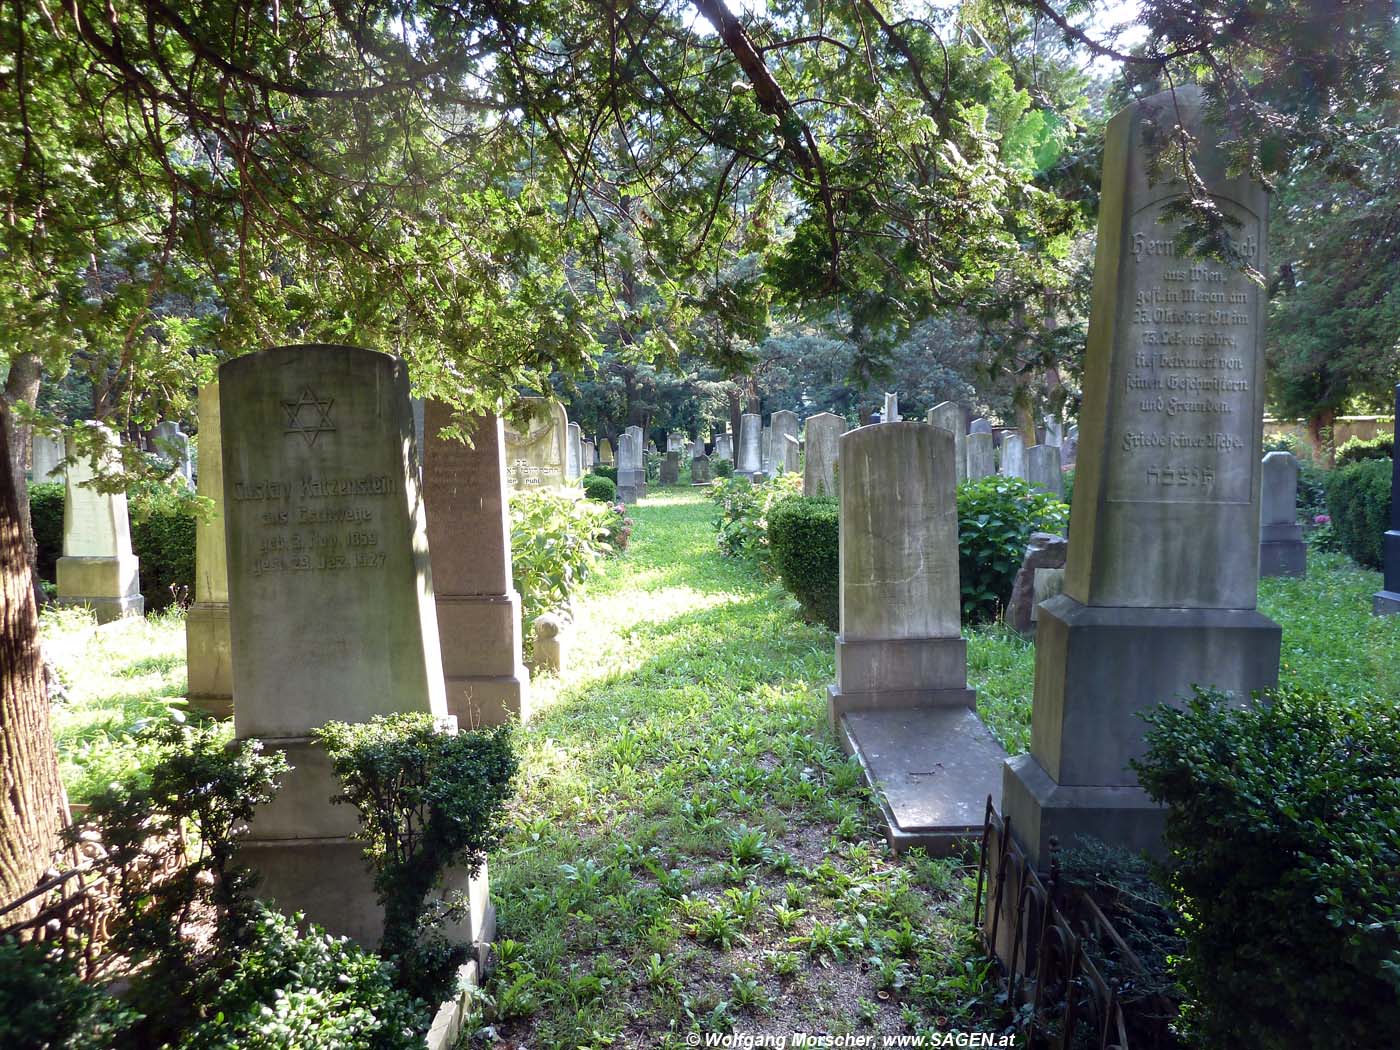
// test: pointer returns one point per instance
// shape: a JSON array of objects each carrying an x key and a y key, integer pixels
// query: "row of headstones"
[{"x": 48, "y": 454}]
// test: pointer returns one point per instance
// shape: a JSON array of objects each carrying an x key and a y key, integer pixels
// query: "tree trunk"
[
  {"x": 736, "y": 415},
  {"x": 22, "y": 384},
  {"x": 1320, "y": 434},
  {"x": 33, "y": 806}
]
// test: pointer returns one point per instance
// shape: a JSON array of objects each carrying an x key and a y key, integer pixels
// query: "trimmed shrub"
[
  {"x": 46, "y": 500},
  {"x": 606, "y": 470},
  {"x": 996, "y": 516},
  {"x": 1358, "y": 501},
  {"x": 597, "y": 487},
  {"x": 1067, "y": 479},
  {"x": 1284, "y": 831},
  {"x": 1358, "y": 451},
  {"x": 803, "y": 535},
  {"x": 164, "y": 521}
]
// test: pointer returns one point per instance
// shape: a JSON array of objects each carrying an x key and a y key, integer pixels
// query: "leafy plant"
[
  {"x": 804, "y": 536},
  {"x": 1358, "y": 500},
  {"x": 555, "y": 543},
  {"x": 996, "y": 516},
  {"x": 597, "y": 487},
  {"x": 744, "y": 509},
  {"x": 1358, "y": 450}
]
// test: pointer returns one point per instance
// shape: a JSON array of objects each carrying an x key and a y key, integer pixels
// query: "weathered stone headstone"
[
  {"x": 1069, "y": 451},
  {"x": 173, "y": 445},
  {"x": 590, "y": 456},
  {"x": 46, "y": 458},
  {"x": 478, "y": 608},
  {"x": 573, "y": 463},
  {"x": 785, "y": 448},
  {"x": 1043, "y": 468},
  {"x": 750, "y": 445},
  {"x": 1054, "y": 433},
  {"x": 637, "y": 462},
  {"x": 697, "y": 448},
  {"x": 208, "y": 651},
  {"x": 330, "y": 602},
  {"x": 724, "y": 447},
  {"x": 537, "y": 446},
  {"x": 700, "y": 472},
  {"x": 627, "y": 491},
  {"x": 1162, "y": 571},
  {"x": 605, "y": 452},
  {"x": 675, "y": 441},
  {"x": 980, "y": 447},
  {"x": 98, "y": 568},
  {"x": 980, "y": 425},
  {"x": 1013, "y": 456},
  {"x": 901, "y": 698},
  {"x": 1282, "y": 551},
  {"x": 890, "y": 412},
  {"x": 770, "y": 466},
  {"x": 823, "y": 443},
  {"x": 1045, "y": 550},
  {"x": 1386, "y": 601},
  {"x": 671, "y": 469},
  {"x": 948, "y": 415}
]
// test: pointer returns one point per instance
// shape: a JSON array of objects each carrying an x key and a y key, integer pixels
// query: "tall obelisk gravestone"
[
  {"x": 478, "y": 609},
  {"x": 1163, "y": 556},
  {"x": 208, "y": 651},
  {"x": 330, "y": 601},
  {"x": 1386, "y": 601}
]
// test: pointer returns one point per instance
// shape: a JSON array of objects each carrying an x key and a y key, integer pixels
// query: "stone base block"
[
  {"x": 899, "y": 673},
  {"x": 209, "y": 659},
  {"x": 480, "y": 702},
  {"x": 1283, "y": 558},
  {"x": 1041, "y": 811},
  {"x": 110, "y": 586},
  {"x": 1385, "y": 603}
]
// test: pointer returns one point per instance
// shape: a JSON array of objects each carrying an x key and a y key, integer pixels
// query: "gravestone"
[
  {"x": 477, "y": 606},
  {"x": 750, "y": 445},
  {"x": 1069, "y": 451},
  {"x": 823, "y": 442},
  {"x": 1054, "y": 433},
  {"x": 770, "y": 467},
  {"x": 98, "y": 568},
  {"x": 590, "y": 456},
  {"x": 700, "y": 472},
  {"x": 697, "y": 448},
  {"x": 626, "y": 477},
  {"x": 981, "y": 455},
  {"x": 573, "y": 464},
  {"x": 1162, "y": 569},
  {"x": 1043, "y": 469},
  {"x": 671, "y": 469},
  {"x": 785, "y": 447},
  {"x": 173, "y": 445},
  {"x": 208, "y": 651},
  {"x": 605, "y": 452},
  {"x": 1386, "y": 601},
  {"x": 1044, "y": 550},
  {"x": 636, "y": 462},
  {"x": 1013, "y": 456},
  {"x": 724, "y": 447},
  {"x": 46, "y": 458},
  {"x": 330, "y": 604},
  {"x": 948, "y": 415},
  {"x": 980, "y": 425},
  {"x": 1282, "y": 551},
  {"x": 675, "y": 441},
  {"x": 890, "y": 412},
  {"x": 901, "y": 700},
  {"x": 537, "y": 446}
]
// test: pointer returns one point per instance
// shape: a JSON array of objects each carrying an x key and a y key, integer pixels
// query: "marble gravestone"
[
  {"x": 890, "y": 412},
  {"x": 605, "y": 452},
  {"x": 573, "y": 463},
  {"x": 208, "y": 651},
  {"x": 901, "y": 700},
  {"x": 823, "y": 442},
  {"x": 1282, "y": 550},
  {"x": 477, "y": 606},
  {"x": 1043, "y": 469},
  {"x": 770, "y": 467},
  {"x": 1054, "y": 433},
  {"x": 637, "y": 462},
  {"x": 590, "y": 455},
  {"x": 785, "y": 447},
  {"x": 626, "y": 477},
  {"x": 750, "y": 446},
  {"x": 1162, "y": 568},
  {"x": 700, "y": 472},
  {"x": 1386, "y": 601},
  {"x": 98, "y": 568},
  {"x": 1013, "y": 456},
  {"x": 46, "y": 458},
  {"x": 537, "y": 453},
  {"x": 980, "y": 425},
  {"x": 173, "y": 444},
  {"x": 981, "y": 454},
  {"x": 330, "y": 605},
  {"x": 948, "y": 415},
  {"x": 724, "y": 447},
  {"x": 671, "y": 468}
]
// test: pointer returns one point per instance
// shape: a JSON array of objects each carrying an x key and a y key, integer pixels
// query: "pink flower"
[{"x": 1322, "y": 519}]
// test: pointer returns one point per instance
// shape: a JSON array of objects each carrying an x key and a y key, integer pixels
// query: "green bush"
[
  {"x": 1284, "y": 831},
  {"x": 1068, "y": 482},
  {"x": 46, "y": 499},
  {"x": 555, "y": 542},
  {"x": 597, "y": 487},
  {"x": 804, "y": 537},
  {"x": 744, "y": 507},
  {"x": 606, "y": 470},
  {"x": 996, "y": 516},
  {"x": 164, "y": 519},
  {"x": 722, "y": 468},
  {"x": 1356, "y": 450},
  {"x": 1358, "y": 500},
  {"x": 43, "y": 1003}
]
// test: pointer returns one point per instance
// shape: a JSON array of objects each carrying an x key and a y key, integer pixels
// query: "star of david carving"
[{"x": 299, "y": 410}]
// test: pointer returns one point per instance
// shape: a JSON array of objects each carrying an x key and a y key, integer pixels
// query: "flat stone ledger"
[
  {"x": 330, "y": 596},
  {"x": 1162, "y": 569},
  {"x": 98, "y": 568},
  {"x": 537, "y": 452},
  {"x": 478, "y": 609},
  {"x": 208, "y": 648}
]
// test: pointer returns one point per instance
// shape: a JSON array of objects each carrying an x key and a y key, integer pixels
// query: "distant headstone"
[
  {"x": 700, "y": 473},
  {"x": 1054, "y": 433},
  {"x": 1043, "y": 468},
  {"x": 675, "y": 441},
  {"x": 537, "y": 446},
  {"x": 637, "y": 462},
  {"x": 901, "y": 698},
  {"x": 770, "y": 465},
  {"x": 330, "y": 602},
  {"x": 590, "y": 456},
  {"x": 1013, "y": 456},
  {"x": 1045, "y": 550},
  {"x": 1386, "y": 601},
  {"x": 697, "y": 448},
  {"x": 478, "y": 608},
  {"x": 46, "y": 458},
  {"x": 890, "y": 412},
  {"x": 1162, "y": 570},
  {"x": 823, "y": 442},
  {"x": 573, "y": 462},
  {"x": 626, "y": 476},
  {"x": 750, "y": 445},
  {"x": 605, "y": 452},
  {"x": 671, "y": 468},
  {"x": 1282, "y": 551},
  {"x": 785, "y": 429},
  {"x": 724, "y": 447},
  {"x": 980, "y": 425},
  {"x": 981, "y": 451},
  {"x": 173, "y": 444},
  {"x": 1069, "y": 451},
  {"x": 208, "y": 651},
  {"x": 98, "y": 568},
  {"x": 948, "y": 415}
]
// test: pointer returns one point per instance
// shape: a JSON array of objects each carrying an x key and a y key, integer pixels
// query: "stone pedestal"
[
  {"x": 98, "y": 568},
  {"x": 208, "y": 650},
  {"x": 478, "y": 609}
]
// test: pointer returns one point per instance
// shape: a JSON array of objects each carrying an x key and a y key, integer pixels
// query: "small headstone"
[
  {"x": 98, "y": 568},
  {"x": 823, "y": 442},
  {"x": 537, "y": 446},
  {"x": 1282, "y": 551},
  {"x": 890, "y": 412},
  {"x": 1045, "y": 550},
  {"x": 675, "y": 441},
  {"x": 208, "y": 650},
  {"x": 700, "y": 470},
  {"x": 698, "y": 448},
  {"x": 1069, "y": 451},
  {"x": 770, "y": 466},
  {"x": 750, "y": 445},
  {"x": 1043, "y": 469},
  {"x": 173, "y": 445},
  {"x": 981, "y": 455},
  {"x": 1013, "y": 456},
  {"x": 573, "y": 464},
  {"x": 590, "y": 456},
  {"x": 1048, "y": 583},
  {"x": 1054, "y": 433},
  {"x": 627, "y": 491},
  {"x": 671, "y": 468},
  {"x": 724, "y": 447},
  {"x": 605, "y": 452},
  {"x": 980, "y": 425},
  {"x": 948, "y": 415},
  {"x": 785, "y": 447},
  {"x": 46, "y": 462},
  {"x": 636, "y": 462},
  {"x": 1386, "y": 601}
]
